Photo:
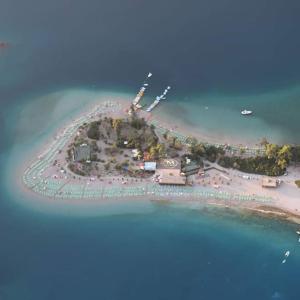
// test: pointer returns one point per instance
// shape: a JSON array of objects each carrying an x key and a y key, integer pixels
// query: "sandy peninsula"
[{"x": 49, "y": 177}]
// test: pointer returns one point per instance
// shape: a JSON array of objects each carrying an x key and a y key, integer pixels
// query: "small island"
[{"x": 119, "y": 151}]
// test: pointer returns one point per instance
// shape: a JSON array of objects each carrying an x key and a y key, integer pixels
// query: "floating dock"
[
  {"x": 158, "y": 99},
  {"x": 142, "y": 90}
]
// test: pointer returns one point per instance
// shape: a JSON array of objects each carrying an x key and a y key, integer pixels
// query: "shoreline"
[
  {"x": 255, "y": 205},
  {"x": 201, "y": 134},
  {"x": 62, "y": 206}
]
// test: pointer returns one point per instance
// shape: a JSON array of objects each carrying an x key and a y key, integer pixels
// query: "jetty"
[
  {"x": 142, "y": 90},
  {"x": 158, "y": 99}
]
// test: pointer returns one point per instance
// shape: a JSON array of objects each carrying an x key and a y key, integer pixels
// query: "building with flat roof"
[
  {"x": 147, "y": 156},
  {"x": 192, "y": 169},
  {"x": 169, "y": 172},
  {"x": 150, "y": 166},
  {"x": 172, "y": 180},
  {"x": 269, "y": 182},
  {"x": 169, "y": 163},
  {"x": 82, "y": 153}
]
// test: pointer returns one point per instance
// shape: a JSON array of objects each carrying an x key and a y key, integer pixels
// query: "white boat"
[
  {"x": 246, "y": 112},
  {"x": 284, "y": 261},
  {"x": 287, "y": 253}
]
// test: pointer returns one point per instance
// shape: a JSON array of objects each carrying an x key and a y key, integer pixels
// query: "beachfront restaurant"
[
  {"x": 268, "y": 182},
  {"x": 169, "y": 172},
  {"x": 170, "y": 179}
]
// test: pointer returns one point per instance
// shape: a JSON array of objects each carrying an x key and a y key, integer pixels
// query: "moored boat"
[{"x": 246, "y": 112}]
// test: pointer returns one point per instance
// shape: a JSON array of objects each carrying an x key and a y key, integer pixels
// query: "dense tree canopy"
[{"x": 93, "y": 131}]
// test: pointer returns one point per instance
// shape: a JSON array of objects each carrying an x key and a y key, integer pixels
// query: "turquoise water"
[
  {"x": 165, "y": 254},
  {"x": 224, "y": 55},
  {"x": 218, "y": 115},
  {"x": 132, "y": 250}
]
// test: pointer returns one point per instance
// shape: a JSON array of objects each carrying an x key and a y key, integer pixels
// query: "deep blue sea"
[{"x": 225, "y": 55}]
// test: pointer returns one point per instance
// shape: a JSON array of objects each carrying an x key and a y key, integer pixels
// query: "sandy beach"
[{"x": 229, "y": 189}]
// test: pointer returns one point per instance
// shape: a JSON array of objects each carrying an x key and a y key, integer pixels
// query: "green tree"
[
  {"x": 283, "y": 156},
  {"x": 116, "y": 123},
  {"x": 295, "y": 153},
  {"x": 161, "y": 149},
  {"x": 264, "y": 141},
  {"x": 157, "y": 151},
  {"x": 191, "y": 141},
  {"x": 171, "y": 140},
  {"x": 178, "y": 145},
  {"x": 93, "y": 131},
  {"x": 166, "y": 134},
  {"x": 198, "y": 150},
  {"x": 271, "y": 151},
  {"x": 153, "y": 152},
  {"x": 138, "y": 123}
]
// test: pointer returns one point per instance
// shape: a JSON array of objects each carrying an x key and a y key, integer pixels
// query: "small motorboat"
[
  {"x": 284, "y": 261},
  {"x": 246, "y": 112},
  {"x": 287, "y": 253}
]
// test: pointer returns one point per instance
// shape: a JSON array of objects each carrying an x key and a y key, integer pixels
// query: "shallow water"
[
  {"x": 226, "y": 55},
  {"x": 133, "y": 251},
  {"x": 165, "y": 254},
  {"x": 218, "y": 115}
]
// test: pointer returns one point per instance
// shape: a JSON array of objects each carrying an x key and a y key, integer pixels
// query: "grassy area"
[{"x": 298, "y": 183}]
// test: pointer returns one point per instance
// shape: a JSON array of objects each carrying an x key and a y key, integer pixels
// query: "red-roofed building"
[{"x": 147, "y": 156}]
